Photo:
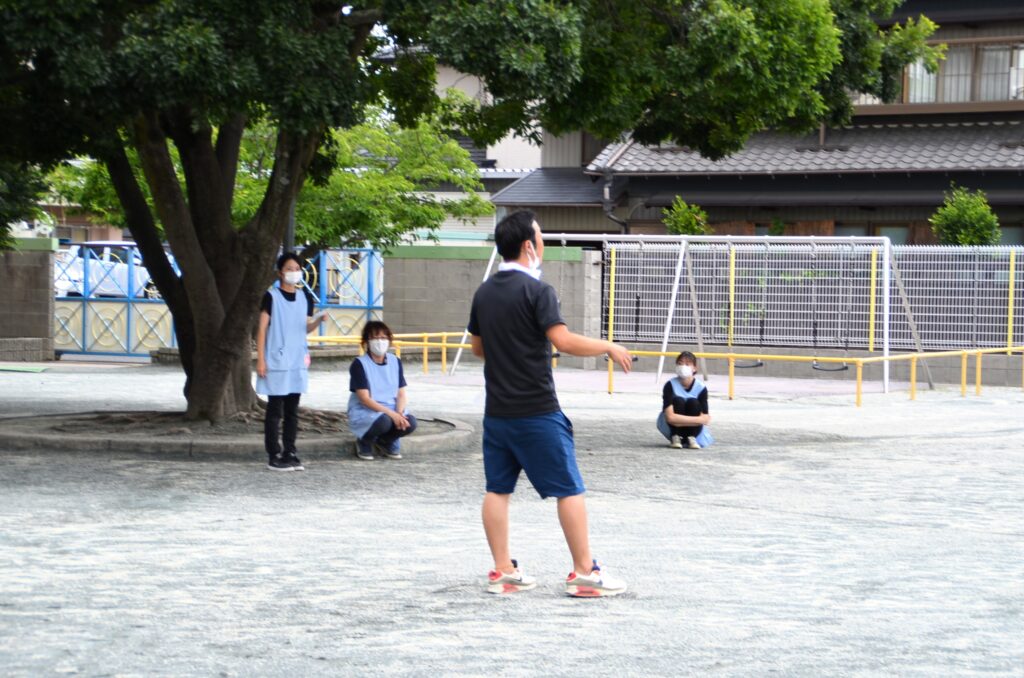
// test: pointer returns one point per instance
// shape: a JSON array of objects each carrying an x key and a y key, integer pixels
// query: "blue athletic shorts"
[{"x": 541, "y": 445}]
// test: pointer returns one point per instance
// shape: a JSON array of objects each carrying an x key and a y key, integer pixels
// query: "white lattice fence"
[{"x": 822, "y": 293}]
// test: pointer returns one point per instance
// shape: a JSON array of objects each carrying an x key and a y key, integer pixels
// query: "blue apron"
[
  {"x": 383, "y": 383},
  {"x": 704, "y": 437},
  {"x": 286, "y": 353}
]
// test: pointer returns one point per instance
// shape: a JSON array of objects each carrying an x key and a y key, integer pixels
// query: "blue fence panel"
[{"x": 106, "y": 304}]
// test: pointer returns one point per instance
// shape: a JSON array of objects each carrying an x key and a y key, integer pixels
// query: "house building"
[{"x": 883, "y": 174}]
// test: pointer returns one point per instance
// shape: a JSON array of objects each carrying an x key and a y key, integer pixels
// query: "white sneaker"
[
  {"x": 676, "y": 443},
  {"x": 514, "y": 582},
  {"x": 594, "y": 585},
  {"x": 692, "y": 443}
]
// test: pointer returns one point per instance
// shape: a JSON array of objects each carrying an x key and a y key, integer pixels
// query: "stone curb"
[{"x": 247, "y": 448}]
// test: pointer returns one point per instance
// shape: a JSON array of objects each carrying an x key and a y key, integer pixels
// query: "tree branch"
[
  {"x": 147, "y": 238},
  {"x": 198, "y": 279},
  {"x": 229, "y": 143},
  {"x": 142, "y": 225},
  {"x": 211, "y": 215}
]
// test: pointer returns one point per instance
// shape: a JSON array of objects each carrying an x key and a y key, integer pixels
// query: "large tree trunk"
[{"x": 225, "y": 271}]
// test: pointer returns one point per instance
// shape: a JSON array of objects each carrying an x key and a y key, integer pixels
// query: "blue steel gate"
[{"x": 105, "y": 303}]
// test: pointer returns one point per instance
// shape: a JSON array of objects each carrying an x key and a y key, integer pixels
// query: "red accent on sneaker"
[
  {"x": 587, "y": 591},
  {"x": 510, "y": 588},
  {"x": 492, "y": 575},
  {"x": 572, "y": 575}
]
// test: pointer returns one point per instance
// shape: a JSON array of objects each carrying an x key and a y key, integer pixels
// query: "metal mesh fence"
[{"x": 814, "y": 294}]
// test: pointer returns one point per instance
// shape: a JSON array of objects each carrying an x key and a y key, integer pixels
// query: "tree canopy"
[{"x": 168, "y": 93}]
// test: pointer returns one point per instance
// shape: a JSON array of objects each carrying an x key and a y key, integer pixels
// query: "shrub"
[
  {"x": 965, "y": 218},
  {"x": 685, "y": 219}
]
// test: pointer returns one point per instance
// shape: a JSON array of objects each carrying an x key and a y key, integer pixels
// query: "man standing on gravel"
[{"x": 513, "y": 323}]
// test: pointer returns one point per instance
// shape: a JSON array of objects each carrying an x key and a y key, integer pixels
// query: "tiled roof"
[
  {"x": 902, "y": 147},
  {"x": 565, "y": 186}
]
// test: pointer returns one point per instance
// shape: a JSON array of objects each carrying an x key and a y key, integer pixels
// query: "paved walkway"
[{"x": 813, "y": 539}]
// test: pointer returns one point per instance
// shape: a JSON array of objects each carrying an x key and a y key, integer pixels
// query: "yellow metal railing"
[
  {"x": 419, "y": 340},
  {"x": 442, "y": 345}
]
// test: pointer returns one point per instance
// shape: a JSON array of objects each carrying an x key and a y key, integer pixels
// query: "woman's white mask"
[
  {"x": 379, "y": 347},
  {"x": 293, "y": 277},
  {"x": 684, "y": 371}
]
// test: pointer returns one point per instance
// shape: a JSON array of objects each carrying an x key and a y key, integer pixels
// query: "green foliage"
[
  {"x": 84, "y": 182},
  {"x": 965, "y": 218},
  {"x": 379, "y": 191},
  {"x": 685, "y": 219},
  {"x": 872, "y": 58},
  {"x": 703, "y": 75},
  {"x": 21, "y": 185},
  {"x": 778, "y": 227}
]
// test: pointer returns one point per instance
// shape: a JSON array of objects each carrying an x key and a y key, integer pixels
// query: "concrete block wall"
[
  {"x": 26, "y": 300},
  {"x": 430, "y": 289}
]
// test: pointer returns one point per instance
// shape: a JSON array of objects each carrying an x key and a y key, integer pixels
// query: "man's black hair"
[
  {"x": 686, "y": 355},
  {"x": 511, "y": 231},
  {"x": 286, "y": 257}
]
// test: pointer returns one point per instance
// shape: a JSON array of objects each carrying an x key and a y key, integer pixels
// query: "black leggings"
[
  {"x": 289, "y": 405},
  {"x": 691, "y": 408}
]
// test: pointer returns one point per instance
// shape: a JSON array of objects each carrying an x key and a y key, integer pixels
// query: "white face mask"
[
  {"x": 293, "y": 277},
  {"x": 684, "y": 371},
  {"x": 379, "y": 347},
  {"x": 533, "y": 263}
]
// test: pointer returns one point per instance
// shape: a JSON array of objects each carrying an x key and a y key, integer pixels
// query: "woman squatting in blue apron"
[
  {"x": 684, "y": 407},
  {"x": 376, "y": 408}
]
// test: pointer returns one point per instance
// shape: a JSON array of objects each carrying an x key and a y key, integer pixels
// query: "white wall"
[{"x": 511, "y": 152}]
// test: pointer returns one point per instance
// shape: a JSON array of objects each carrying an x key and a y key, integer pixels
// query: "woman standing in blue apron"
[
  {"x": 684, "y": 407},
  {"x": 282, "y": 360},
  {"x": 376, "y": 408}
]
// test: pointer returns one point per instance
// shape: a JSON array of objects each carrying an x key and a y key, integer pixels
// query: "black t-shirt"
[
  {"x": 357, "y": 374},
  {"x": 511, "y": 313},
  {"x": 667, "y": 394},
  {"x": 268, "y": 301}
]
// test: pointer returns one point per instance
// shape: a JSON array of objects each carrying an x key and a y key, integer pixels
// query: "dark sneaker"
[
  {"x": 294, "y": 462},
  {"x": 278, "y": 462},
  {"x": 392, "y": 451},
  {"x": 364, "y": 451}
]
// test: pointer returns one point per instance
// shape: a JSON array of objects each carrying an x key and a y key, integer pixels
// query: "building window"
[
  {"x": 955, "y": 74},
  {"x": 1012, "y": 235},
  {"x": 970, "y": 72},
  {"x": 897, "y": 235},
  {"x": 921, "y": 85},
  {"x": 846, "y": 230}
]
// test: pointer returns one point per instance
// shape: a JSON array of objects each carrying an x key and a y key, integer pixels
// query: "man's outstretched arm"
[{"x": 579, "y": 345}]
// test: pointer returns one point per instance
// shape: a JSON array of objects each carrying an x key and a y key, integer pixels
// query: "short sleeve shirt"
[
  {"x": 511, "y": 313},
  {"x": 668, "y": 394},
  {"x": 268, "y": 301},
  {"x": 357, "y": 375}
]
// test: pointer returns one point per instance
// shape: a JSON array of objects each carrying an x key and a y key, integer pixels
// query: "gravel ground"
[{"x": 813, "y": 539}]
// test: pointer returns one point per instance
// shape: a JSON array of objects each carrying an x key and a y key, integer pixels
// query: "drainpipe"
[
  {"x": 606, "y": 202},
  {"x": 606, "y": 194}
]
